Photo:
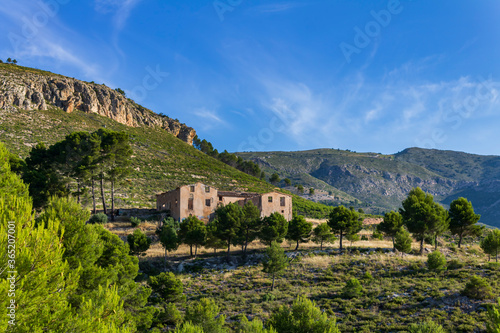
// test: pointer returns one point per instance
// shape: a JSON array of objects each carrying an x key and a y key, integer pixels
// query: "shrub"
[
  {"x": 166, "y": 288},
  {"x": 205, "y": 313},
  {"x": 402, "y": 241},
  {"x": 302, "y": 316},
  {"x": 170, "y": 315},
  {"x": 477, "y": 288},
  {"x": 493, "y": 323},
  {"x": 368, "y": 276},
  {"x": 138, "y": 242},
  {"x": 352, "y": 288},
  {"x": 135, "y": 221},
  {"x": 99, "y": 218},
  {"x": 364, "y": 238},
  {"x": 436, "y": 261},
  {"x": 455, "y": 264},
  {"x": 426, "y": 327}
]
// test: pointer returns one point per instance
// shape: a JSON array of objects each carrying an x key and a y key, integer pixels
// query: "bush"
[
  {"x": 135, "y": 221},
  {"x": 205, "y": 313},
  {"x": 402, "y": 241},
  {"x": 477, "y": 288},
  {"x": 364, "y": 238},
  {"x": 138, "y": 242},
  {"x": 368, "y": 276},
  {"x": 302, "y": 316},
  {"x": 493, "y": 323},
  {"x": 436, "y": 261},
  {"x": 455, "y": 264},
  {"x": 166, "y": 288},
  {"x": 352, "y": 288},
  {"x": 426, "y": 327},
  {"x": 99, "y": 218}
]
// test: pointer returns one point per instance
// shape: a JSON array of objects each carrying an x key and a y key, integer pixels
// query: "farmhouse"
[{"x": 201, "y": 200}]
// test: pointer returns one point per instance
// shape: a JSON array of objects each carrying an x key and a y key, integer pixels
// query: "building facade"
[{"x": 201, "y": 200}]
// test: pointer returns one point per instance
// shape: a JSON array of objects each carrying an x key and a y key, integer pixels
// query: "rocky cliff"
[{"x": 29, "y": 89}]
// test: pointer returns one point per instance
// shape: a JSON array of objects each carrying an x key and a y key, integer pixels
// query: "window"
[
  {"x": 269, "y": 199},
  {"x": 282, "y": 201},
  {"x": 191, "y": 188},
  {"x": 208, "y": 202},
  {"x": 282, "y": 212},
  {"x": 207, "y": 189},
  {"x": 190, "y": 203},
  {"x": 220, "y": 197}
]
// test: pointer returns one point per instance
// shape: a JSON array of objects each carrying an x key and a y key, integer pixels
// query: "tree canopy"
[
  {"x": 462, "y": 219},
  {"x": 344, "y": 221}
]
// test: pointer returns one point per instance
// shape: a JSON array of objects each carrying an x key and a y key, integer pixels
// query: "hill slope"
[
  {"x": 38, "y": 106},
  {"x": 381, "y": 182}
]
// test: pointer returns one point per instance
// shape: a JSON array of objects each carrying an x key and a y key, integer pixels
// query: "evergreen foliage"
[
  {"x": 477, "y": 288},
  {"x": 491, "y": 243},
  {"x": 462, "y": 218},
  {"x": 344, "y": 221},
  {"x": 302, "y": 316},
  {"x": 426, "y": 327},
  {"x": 402, "y": 241},
  {"x": 392, "y": 223},
  {"x": 205, "y": 314},
  {"x": 274, "y": 228},
  {"x": 275, "y": 261},
  {"x": 493, "y": 324},
  {"x": 193, "y": 232},
  {"x": 352, "y": 288},
  {"x": 228, "y": 222},
  {"x": 166, "y": 288},
  {"x": 138, "y": 242},
  {"x": 99, "y": 218},
  {"x": 299, "y": 230},
  {"x": 323, "y": 234},
  {"x": 436, "y": 261}
]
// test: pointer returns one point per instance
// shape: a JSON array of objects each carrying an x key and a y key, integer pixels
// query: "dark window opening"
[
  {"x": 207, "y": 202},
  {"x": 190, "y": 203},
  {"x": 269, "y": 199},
  {"x": 207, "y": 189},
  {"x": 191, "y": 188},
  {"x": 282, "y": 201}
]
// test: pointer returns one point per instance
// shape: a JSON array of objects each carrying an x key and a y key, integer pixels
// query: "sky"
[{"x": 377, "y": 76}]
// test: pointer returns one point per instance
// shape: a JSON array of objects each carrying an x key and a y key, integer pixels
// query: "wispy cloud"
[
  {"x": 120, "y": 9},
  {"x": 209, "y": 118},
  {"x": 278, "y": 7}
]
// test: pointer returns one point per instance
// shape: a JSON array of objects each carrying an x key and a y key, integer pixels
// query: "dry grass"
[{"x": 318, "y": 261}]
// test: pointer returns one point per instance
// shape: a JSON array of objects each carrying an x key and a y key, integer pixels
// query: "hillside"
[
  {"x": 163, "y": 157},
  {"x": 380, "y": 182}
]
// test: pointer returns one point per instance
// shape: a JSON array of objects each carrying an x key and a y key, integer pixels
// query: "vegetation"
[
  {"x": 463, "y": 219},
  {"x": 391, "y": 225},
  {"x": 274, "y": 229},
  {"x": 491, "y": 244},
  {"x": 275, "y": 261},
  {"x": 436, "y": 261},
  {"x": 193, "y": 232},
  {"x": 323, "y": 234},
  {"x": 138, "y": 242},
  {"x": 299, "y": 230},
  {"x": 344, "y": 222}
]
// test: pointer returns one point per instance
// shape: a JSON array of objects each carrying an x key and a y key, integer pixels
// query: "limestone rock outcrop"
[{"x": 34, "y": 91}]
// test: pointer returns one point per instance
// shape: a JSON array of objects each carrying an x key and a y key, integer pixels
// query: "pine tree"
[
  {"x": 392, "y": 223},
  {"x": 250, "y": 225},
  {"x": 228, "y": 222},
  {"x": 462, "y": 218},
  {"x": 323, "y": 234},
  {"x": 193, "y": 232},
  {"x": 344, "y": 221},
  {"x": 274, "y": 228},
  {"x": 299, "y": 230},
  {"x": 275, "y": 261}
]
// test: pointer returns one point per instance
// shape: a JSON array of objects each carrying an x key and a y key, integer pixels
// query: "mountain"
[
  {"x": 32, "y": 89},
  {"x": 380, "y": 182},
  {"x": 38, "y": 106}
]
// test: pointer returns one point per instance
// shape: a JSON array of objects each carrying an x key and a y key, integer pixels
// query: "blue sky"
[{"x": 375, "y": 76}]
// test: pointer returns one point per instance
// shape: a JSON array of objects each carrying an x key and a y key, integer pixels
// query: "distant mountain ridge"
[
  {"x": 380, "y": 182},
  {"x": 31, "y": 89}
]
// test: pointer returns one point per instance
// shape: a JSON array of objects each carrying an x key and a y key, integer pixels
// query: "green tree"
[
  {"x": 166, "y": 288},
  {"x": 493, "y": 324},
  {"x": 275, "y": 178},
  {"x": 402, "y": 241},
  {"x": 115, "y": 153},
  {"x": 288, "y": 182},
  {"x": 274, "y": 228},
  {"x": 491, "y": 243},
  {"x": 352, "y": 238},
  {"x": 426, "y": 327},
  {"x": 205, "y": 314},
  {"x": 228, "y": 222},
  {"x": 311, "y": 191},
  {"x": 138, "y": 242},
  {"x": 302, "y": 316},
  {"x": 168, "y": 236},
  {"x": 344, "y": 221},
  {"x": 188, "y": 327},
  {"x": 300, "y": 188},
  {"x": 392, "y": 223},
  {"x": 250, "y": 224},
  {"x": 275, "y": 261},
  {"x": 299, "y": 230},
  {"x": 323, "y": 234},
  {"x": 462, "y": 218},
  {"x": 214, "y": 242},
  {"x": 193, "y": 232},
  {"x": 422, "y": 216}
]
